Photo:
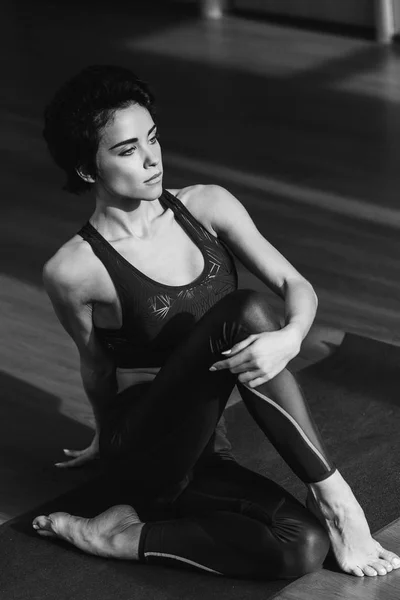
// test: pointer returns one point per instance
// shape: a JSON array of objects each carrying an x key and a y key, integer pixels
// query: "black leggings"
[{"x": 226, "y": 519}]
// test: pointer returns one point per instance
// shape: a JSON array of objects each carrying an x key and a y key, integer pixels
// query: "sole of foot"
[{"x": 114, "y": 533}]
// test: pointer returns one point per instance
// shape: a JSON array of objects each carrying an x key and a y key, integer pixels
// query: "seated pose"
[{"x": 147, "y": 289}]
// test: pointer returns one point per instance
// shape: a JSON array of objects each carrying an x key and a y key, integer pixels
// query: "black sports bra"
[{"x": 156, "y": 316}]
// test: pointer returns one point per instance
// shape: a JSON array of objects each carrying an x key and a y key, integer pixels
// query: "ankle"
[
  {"x": 332, "y": 495},
  {"x": 329, "y": 488},
  {"x": 125, "y": 544}
]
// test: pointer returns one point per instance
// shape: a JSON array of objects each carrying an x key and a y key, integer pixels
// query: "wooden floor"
[
  {"x": 302, "y": 127},
  {"x": 330, "y": 585}
]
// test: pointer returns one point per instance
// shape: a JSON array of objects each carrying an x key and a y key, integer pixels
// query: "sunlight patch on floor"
[
  {"x": 238, "y": 43},
  {"x": 297, "y": 193}
]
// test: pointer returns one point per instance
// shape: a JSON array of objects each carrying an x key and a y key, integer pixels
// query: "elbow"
[
  {"x": 316, "y": 300},
  {"x": 299, "y": 283},
  {"x": 314, "y": 294}
]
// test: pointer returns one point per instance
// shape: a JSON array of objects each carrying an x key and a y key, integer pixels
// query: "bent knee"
[
  {"x": 302, "y": 549},
  {"x": 308, "y": 554},
  {"x": 257, "y": 314}
]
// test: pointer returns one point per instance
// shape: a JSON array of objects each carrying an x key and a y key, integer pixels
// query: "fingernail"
[
  {"x": 212, "y": 369},
  {"x": 226, "y": 352},
  {"x": 57, "y": 464},
  {"x": 35, "y": 526}
]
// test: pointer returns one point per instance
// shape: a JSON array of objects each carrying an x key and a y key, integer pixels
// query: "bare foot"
[
  {"x": 114, "y": 533},
  {"x": 333, "y": 503}
]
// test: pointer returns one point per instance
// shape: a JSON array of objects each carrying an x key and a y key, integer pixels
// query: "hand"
[
  {"x": 260, "y": 357},
  {"x": 81, "y": 457}
]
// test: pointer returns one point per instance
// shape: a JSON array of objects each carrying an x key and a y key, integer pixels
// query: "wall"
[{"x": 349, "y": 12}]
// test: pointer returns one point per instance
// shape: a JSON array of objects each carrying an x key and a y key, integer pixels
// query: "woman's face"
[{"x": 129, "y": 155}]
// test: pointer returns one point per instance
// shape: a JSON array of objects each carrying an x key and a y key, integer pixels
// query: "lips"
[{"x": 156, "y": 176}]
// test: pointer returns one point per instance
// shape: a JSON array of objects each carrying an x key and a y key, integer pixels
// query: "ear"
[{"x": 85, "y": 176}]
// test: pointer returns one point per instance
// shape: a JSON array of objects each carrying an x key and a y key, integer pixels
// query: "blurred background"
[{"x": 292, "y": 106}]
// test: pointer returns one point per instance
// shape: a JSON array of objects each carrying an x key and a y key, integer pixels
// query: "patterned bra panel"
[{"x": 156, "y": 316}]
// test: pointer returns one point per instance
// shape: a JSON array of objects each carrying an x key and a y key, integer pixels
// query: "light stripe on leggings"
[
  {"x": 185, "y": 560},
  {"x": 293, "y": 421}
]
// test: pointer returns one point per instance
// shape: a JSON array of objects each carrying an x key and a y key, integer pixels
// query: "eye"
[
  {"x": 155, "y": 138},
  {"x": 128, "y": 152}
]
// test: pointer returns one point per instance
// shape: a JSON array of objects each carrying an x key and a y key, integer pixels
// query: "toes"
[
  {"x": 391, "y": 557},
  {"x": 357, "y": 571},
  {"x": 369, "y": 571},
  {"x": 45, "y": 533},
  {"x": 42, "y": 522},
  {"x": 52, "y": 525},
  {"x": 379, "y": 567},
  {"x": 388, "y": 565},
  {"x": 43, "y": 526}
]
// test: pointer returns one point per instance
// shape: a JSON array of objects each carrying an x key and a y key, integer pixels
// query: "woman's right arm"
[{"x": 69, "y": 290}]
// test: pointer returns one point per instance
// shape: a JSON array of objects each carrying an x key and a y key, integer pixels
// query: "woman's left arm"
[
  {"x": 231, "y": 221},
  {"x": 301, "y": 305}
]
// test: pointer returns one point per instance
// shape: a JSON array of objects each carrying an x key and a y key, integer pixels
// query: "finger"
[
  {"x": 260, "y": 377},
  {"x": 70, "y": 463},
  {"x": 249, "y": 376},
  {"x": 72, "y": 452},
  {"x": 244, "y": 355},
  {"x": 242, "y": 368},
  {"x": 253, "y": 381},
  {"x": 240, "y": 346},
  {"x": 257, "y": 382}
]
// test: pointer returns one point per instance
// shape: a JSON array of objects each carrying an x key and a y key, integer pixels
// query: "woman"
[{"x": 147, "y": 290}]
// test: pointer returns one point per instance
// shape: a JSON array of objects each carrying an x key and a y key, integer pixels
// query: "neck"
[{"x": 134, "y": 218}]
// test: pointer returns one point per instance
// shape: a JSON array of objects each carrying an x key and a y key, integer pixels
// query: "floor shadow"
[{"x": 33, "y": 433}]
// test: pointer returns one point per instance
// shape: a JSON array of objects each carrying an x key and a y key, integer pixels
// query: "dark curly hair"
[{"x": 81, "y": 109}]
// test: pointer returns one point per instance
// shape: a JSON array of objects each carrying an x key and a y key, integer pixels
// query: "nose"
[{"x": 151, "y": 158}]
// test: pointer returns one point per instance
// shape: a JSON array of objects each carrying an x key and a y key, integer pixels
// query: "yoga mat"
[{"x": 354, "y": 396}]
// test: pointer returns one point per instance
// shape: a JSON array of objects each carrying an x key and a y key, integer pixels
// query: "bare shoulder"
[
  {"x": 200, "y": 194},
  {"x": 203, "y": 200},
  {"x": 70, "y": 271}
]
